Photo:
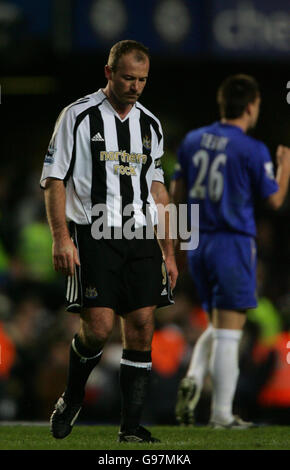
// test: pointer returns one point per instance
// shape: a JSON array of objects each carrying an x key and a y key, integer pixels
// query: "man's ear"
[
  {"x": 248, "y": 109},
  {"x": 108, "y": 72}
]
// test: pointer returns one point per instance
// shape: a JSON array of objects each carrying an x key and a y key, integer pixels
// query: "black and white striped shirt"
[{"x": 103, "y": 159}]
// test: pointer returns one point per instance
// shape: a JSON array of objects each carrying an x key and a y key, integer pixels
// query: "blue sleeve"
[{"x": 262, "y": 171}]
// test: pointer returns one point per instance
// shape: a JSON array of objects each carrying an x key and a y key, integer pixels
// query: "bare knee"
[
  {"x": 137, "y": 330},
  {"x": 96, "y": 327},
  {"x": 228, "y": 319}
]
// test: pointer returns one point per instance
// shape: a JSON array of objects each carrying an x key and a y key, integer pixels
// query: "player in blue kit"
[{"x": 224, "y": 171}]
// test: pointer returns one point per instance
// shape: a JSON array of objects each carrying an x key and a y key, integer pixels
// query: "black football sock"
[
  {"x": 81, "y": 363},
  {"x": 135, "y": 372}
]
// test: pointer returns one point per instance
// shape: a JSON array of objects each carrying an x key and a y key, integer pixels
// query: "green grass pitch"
[{"x": 33, "y": 437}]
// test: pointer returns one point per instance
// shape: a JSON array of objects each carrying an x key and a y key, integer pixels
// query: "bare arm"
[
  {"x": 64, "y": 252},
  {"x": 178, "y": 195},
  {"x": 178, "y": 191},
  {"x": 282, "y": 177},
  {"x": 160, "y": 195}
]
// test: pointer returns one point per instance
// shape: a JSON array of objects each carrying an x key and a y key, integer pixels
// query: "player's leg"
[
  {"x": 190, "y": 387},
  {"x": 135, "y": 371},
  {"x": 85, "y": 354},
  {"x": 224, "y": 363},
  {"x": 234, "y": 290},
  {"x": 96, "y": 325},
  {"x": 198, "y": 366},
  {"x": 145, "y": 286},
  {"x": 92, "y": 292}
]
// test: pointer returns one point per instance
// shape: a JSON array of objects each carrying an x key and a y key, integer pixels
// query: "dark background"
[{"x": 51, "y": 54}]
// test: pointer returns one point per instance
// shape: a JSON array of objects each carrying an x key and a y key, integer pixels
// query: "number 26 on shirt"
[{"x": 215, "y": 186}]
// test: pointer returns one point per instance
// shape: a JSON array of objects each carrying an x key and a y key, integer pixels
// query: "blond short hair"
[{"x": 125, "y": 47}]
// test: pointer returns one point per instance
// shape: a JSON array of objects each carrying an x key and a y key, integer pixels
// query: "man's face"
[
  {"x": 254, "y": 111},
  {"x": 128, "y": 81}
]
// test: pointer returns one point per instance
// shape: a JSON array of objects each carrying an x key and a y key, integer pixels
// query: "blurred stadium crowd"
[{"x": 35, "y": 331}]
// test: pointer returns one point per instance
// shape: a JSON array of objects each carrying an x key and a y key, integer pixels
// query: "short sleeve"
[
  {"x": 158, "y": 174},
  {"x": 59, "y": 154},
  {"x": 262, "y": 171}
]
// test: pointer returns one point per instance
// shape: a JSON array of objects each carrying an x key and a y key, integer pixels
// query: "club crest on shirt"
[
  {"x": 91, "y": 293},
  {"x": 158, "y": 163},
  {"x": 146, "y": 142}
]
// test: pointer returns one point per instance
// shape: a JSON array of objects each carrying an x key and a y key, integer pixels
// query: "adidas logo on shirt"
[
  {"x": 164, "y": 292},
  {"x": 98, "y": 138}
]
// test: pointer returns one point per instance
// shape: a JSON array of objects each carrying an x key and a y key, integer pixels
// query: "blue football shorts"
[{"x": 223, "y": 268}]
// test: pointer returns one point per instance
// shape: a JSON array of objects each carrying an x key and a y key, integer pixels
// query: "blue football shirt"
[{"x": 225, "y": 170}]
